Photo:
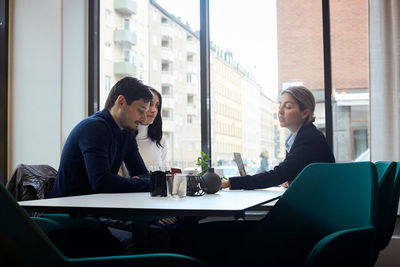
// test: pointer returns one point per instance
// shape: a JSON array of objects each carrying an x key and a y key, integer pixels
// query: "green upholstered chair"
[
  {"x": 23, "y": 243},
  {"x": 386, "y": 177},
  {"x": 351, "y": 247},
  {"x": 324, "y": 199},
  {"x": 394, "y": 203},
  {"x": 348, "y": 247}
]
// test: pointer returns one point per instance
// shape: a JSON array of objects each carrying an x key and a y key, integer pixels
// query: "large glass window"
[
  {"x": 350, "y": 79},
  {"x": 255, "y": 53},
  {"x": 158, "y": 42}
]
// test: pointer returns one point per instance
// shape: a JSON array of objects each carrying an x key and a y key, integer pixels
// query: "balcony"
[
  {"x": 125, "y": 38},
  {"x": 167, "y": 77},
  {"x": 168, "y": 102},
  {"x": 192, "y": 110},
  {"x": 166, "y": 30},
  {"x": 127, "y": 7},
  {"x": 167, "y": 54},
  {"x": 124, "y": 69},
  {"x": 168, "y": 126}
]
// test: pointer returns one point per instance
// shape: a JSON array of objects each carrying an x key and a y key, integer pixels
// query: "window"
[
  {"x": 166, "y": 66},
  {"x": 107, "y": 51},
  {"x": 166, "y": 90},
  {"x": 127, "y": 25},
  {"x": 191, "y": 78},
  {"x": 166, "y": 113},
  {"x": 189, "y": 57},
  {"x": 107, "y": 17},
  {"x": 164, "y": 20},
  {"x": 107, "y": 82},
  {"x": 350, "y": 78},
  {"x": 190, "y": 99},
  {"x": 360, "y": 142},
  {"x": 189, "y": 119},
  {"x": 129, "y": 56},
  {"x": 165, "y": 42}
]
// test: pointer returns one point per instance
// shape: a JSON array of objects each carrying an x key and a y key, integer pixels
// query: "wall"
[{"x": 48, "y": 77}]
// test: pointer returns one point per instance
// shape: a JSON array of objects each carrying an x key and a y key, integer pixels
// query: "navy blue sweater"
[{"x": 92, "y": 156}]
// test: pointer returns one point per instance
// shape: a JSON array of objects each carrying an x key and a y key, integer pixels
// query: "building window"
[
  {"x": 166, "y": 66},
  {"x": 166, "y": 113},
  {"x": 165, "y": 42},
  {"x": 107, "y": 17},
  {"x": 189, "y": 37},
  {"x": 164, "y": 20},
  {"x": 189, "y": 119},
  {"x": 127, "y": 24},
  {"x": 190, "y": 99},
  {"x": 107, "y": 51},
  {"x": 360, "y": 142},
  {"x": 107, "y": 83},
  {"x": 190, "y": 57},
  {"x": 191, "y": 78},
  {"x": 166, "y": 89}
]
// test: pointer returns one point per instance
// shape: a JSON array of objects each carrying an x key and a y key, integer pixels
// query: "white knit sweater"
[{"x": 154, "y": 157}]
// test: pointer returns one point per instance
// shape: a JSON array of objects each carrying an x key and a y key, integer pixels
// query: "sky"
[{"x": 246, "y": 28}]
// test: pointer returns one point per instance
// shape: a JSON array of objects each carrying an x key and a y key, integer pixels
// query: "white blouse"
[{"x": 153, "y": 155}]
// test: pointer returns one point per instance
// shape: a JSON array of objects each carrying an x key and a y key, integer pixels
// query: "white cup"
[{"x": 179, "y": 185}]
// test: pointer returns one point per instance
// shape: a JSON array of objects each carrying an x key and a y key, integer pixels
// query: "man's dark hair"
[
  {"x": 155, "y": 129},
  {"x": 131, "y": 88}
]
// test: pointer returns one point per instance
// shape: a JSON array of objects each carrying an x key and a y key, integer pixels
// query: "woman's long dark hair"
[{"x": 155, "y": 129}]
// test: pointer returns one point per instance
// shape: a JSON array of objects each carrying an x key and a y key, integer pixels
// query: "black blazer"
[{"x": 309, "y": 146}]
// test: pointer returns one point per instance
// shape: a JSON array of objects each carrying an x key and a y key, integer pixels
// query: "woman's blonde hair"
[{"x": 304, "y": 98}]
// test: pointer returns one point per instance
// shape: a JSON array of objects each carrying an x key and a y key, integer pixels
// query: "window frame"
[{"x": 4, "y": 49}]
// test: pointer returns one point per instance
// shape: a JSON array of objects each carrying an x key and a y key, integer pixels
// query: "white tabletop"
[{"x": 223, "y": 203}]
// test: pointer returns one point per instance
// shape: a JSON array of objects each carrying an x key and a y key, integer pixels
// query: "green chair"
[
  {"x": 347, "y": 247},
  {"x": 392, "y": 215},
  {"x": 324, "y": 199},
  {"x": 351, "y": 247},
  {"x": 386, "y": 177},
  {"x": 23, "y": 243}
]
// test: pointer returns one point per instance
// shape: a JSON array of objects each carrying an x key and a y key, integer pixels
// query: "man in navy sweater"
[{"x": 96, "y": 147}]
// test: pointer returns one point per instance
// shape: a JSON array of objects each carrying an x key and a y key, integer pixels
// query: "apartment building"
[{"x": 144, "y": 40}]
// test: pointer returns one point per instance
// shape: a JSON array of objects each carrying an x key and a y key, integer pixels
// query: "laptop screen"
[{"x": 239, "y": 163}]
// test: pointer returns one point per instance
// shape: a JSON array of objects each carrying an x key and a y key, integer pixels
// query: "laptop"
[{"x": 239, "y": 162}]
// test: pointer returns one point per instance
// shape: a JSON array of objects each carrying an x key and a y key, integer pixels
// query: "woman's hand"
[
  {"x": 225, "y": 184},
  {"x": 286, "y": 184}
]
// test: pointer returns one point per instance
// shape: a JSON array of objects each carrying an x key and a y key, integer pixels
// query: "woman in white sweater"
[
  {"x": 150, "y": 139},
  {"x": 151, "y": 142}
]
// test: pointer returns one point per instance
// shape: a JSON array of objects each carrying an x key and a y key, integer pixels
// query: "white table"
[
  {"x": 223, "y": 203},
  {"x": 139, "y": 206}
]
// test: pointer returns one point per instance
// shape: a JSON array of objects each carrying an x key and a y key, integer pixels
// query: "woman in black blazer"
[{"x": 305, "y": 144}]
